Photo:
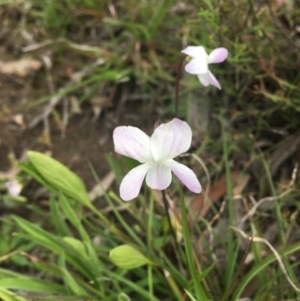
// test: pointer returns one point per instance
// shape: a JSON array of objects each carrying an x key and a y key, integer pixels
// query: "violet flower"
[
  {"x": 156, "y": 154},
  {"x": 13, "y": 187},
  {"x": 200, "y": 61}
]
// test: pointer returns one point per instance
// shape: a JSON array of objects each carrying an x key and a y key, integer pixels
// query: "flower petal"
[
  {"x": 195, "y": 52},
  {"x": 186, "y": 176},
  {"x": 197, "y": 66},
  {"x": 159, "y": 176},
  {"x": 209, "y": 79},
  {"x": 14, "y": 187},
  {"x": 132, "y": 142},
  {"x": 132, "y": 182},
  {"x": 218, "y": 55},
  {"x": 170, "y": 140}
]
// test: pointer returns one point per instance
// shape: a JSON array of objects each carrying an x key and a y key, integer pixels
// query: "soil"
[{"x": 86, "y": 138}]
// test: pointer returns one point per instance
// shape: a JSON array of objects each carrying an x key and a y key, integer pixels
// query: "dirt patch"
[{"x": 85, "y": 138}]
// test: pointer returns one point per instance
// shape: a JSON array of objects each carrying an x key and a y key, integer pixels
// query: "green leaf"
[
  {"x": 123, "y": 297},
  {"x": 126, "y": 257},
  {"x": 51, "y": 242},
  {"x": 6, "y": 295},
  {"x": 203, "y": 275},
  {"x": 58, "y": 220},
  {"x": 57, "y": 177},
  {"x": 39, "y": 235},
  {"x": 95, "y": 262},
  {"x": 32, "y": 284},
  {"x": 69, "y": 279},
  {"x": 32, "y": 171},
  {"x": 190, "y": 295},
  {"x": 76, "y": 245},
  {"x": 73, "y": 218},
  {"x": 259, "y": 267}
]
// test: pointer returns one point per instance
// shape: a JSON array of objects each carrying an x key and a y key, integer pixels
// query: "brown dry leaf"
[
  {"x": 200, "y": 206},
  {"x": 21, "y": 67}
]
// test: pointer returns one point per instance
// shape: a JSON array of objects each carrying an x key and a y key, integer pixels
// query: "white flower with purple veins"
[
  {"x": 156, "y": 154},
  {"x": 200, "y": 61}
]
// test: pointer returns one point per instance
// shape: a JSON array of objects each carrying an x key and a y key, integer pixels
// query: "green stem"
[
  {"x": 166, "y": 205},
  {"x": 177, "y": 83},
  {"x": 121, "y": 219},
  {"x": 149, "y": 241},
  {"x": 188, "y": 249},
  {"x": 276, "y": 202},
  {"x": 150, "y": 282},
  {"x": 230, "y": 246}
]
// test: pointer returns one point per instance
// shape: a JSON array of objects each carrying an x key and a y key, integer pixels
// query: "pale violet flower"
[
  {"x": 200, "y": 61},
  {"x": 156, "y": 154},
  {"x": 13, "y": 187}
]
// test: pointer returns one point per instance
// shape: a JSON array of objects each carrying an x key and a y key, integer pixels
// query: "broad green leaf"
[
  {"x": 32, "y": 171},
  {"x": 123, "y": 297},
  {"x": 126, "y": 257},
  {"x": 20, "y": 260},
  {"x": 6, "y": 295},
  {"x": 76, "y": 245},
  {"x": 58, "y": 177},
  {"x": 31, "y": 284}
]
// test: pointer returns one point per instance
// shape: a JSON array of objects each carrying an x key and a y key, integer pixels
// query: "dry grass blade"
[
  {"x": 278, "y": 258},
  {"x": 77, "y": 77},
  {"x": 102, "y": 187},
  {"x": 262, "y": 201}
]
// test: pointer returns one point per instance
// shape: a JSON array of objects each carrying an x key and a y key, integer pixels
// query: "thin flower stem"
[
  {"x": 149, "y": 241},
  {"x": 231, "y": 254},
  {"x": 121, "y": 219},
  {"x": 177, "y": 84},
  {"x": 166, "y": 205},
  {"x": 201, "y": 296}
]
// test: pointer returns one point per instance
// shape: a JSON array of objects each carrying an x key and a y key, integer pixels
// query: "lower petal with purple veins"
[
  {"x": 159, "y": 176},
  {"x": 186, "y": 176},
  {"x": 209, "y": 79},
  {"x": 132, "y": 182}
]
